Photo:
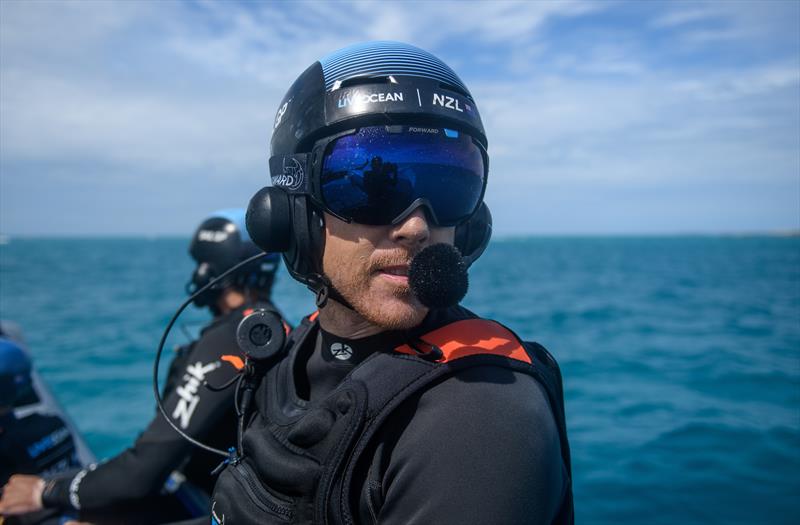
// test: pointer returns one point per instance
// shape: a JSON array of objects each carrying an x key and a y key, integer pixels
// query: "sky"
[{"x": 613, "y": 117}]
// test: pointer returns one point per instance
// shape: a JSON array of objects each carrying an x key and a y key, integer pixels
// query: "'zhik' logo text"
[{"x": 188, "y": 392}]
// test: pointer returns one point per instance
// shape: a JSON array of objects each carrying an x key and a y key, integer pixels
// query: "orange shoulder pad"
[{"x": 472, "y": 337}]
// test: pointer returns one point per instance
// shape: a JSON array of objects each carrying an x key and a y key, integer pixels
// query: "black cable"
[
  {"x": 222, "y": 387},
  {"x": 242, "y": 409},
  {"x": 236, "y": 395},
  {"x": 240, "y": 434},
  {"x": 156, "y": 391}
]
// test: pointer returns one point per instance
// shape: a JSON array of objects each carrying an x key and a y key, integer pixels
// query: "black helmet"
[
  {"x": 373, "y": 84},
  {"x": 417, "y": 88},
  {"x": 220, "y": 242}
]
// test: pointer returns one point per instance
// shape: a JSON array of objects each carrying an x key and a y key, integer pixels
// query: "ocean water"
[{"x": 681, "y": 356}]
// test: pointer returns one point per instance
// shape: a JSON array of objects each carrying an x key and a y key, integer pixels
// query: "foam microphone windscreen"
[{"x": 438, "y": 276}]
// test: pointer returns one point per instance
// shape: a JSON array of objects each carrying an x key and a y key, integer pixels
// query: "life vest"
[{"x": 300, "y": 458}]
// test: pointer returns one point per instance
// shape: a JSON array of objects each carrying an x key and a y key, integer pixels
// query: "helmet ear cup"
[
  {"x": 279, "y": 222},
  {"x": 472, "y": 237},
  {"x": 269, "y": 219}
]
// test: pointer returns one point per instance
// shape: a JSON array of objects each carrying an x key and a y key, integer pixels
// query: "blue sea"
[{"x": 680, "y": 355}]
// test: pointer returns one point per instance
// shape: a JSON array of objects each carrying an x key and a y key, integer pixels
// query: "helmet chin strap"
[{"x": 324, "y": 290}]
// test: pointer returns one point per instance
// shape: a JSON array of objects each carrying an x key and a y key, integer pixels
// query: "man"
[
  {"x": 34, "y": 444},
  {"x": 39, "y": 443},
  {"x": 130, "y": 487},
  {"x": 391, "y": 405}
]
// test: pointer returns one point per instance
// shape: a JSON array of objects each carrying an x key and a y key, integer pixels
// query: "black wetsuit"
[
  {"x": 477, "y": 446},
  {"x": 130, "y": 487},
  {"x": 35, "y": 444},
  {"x": 39, "y": 444}
]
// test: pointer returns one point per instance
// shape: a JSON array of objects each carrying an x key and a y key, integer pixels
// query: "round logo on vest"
[{"x": 341, "y": 351}]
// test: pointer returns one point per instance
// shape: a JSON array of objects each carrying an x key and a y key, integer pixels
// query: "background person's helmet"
[
  {"x": 15, "y": 372},
  {"x": 368, "y": 84},
  {"x": 220, "y": 242}
]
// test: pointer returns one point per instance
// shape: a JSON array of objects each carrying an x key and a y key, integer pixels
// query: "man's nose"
[{"x": 413, "y": 231}]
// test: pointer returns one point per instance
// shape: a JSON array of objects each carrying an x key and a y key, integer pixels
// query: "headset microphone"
[{"x": 438, "y": 276}]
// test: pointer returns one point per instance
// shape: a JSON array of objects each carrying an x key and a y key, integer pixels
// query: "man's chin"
[{"x": 394, "y": 313}]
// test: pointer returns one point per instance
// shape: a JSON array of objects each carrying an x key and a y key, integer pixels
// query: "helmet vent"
[
  {"x": 359, "y": 81},
  {"x": 383, "y": 59}
]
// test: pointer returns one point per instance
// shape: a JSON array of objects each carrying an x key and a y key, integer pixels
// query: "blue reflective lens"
[{"x": 373, "y": 175}]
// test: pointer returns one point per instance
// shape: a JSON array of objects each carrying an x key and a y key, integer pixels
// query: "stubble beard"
[{"x": 401, "y": 312}]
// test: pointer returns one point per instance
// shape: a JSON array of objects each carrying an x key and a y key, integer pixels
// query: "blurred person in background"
[
  {"x": 36, "y": 443},
  {"x": 162, "y": 477}
]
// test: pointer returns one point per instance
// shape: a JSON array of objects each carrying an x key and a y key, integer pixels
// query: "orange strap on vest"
[
  {"x": 472, "y": 337},
  {"x": 234, "y": 360}
]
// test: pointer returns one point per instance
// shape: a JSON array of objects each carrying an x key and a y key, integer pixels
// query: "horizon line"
[{"x": 5, "y": 238}]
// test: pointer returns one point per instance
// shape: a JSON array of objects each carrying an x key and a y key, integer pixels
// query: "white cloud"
[
  {"x": 718, "y": 22},
  {"x": 733, "y": 84},
  {"x": 263, "y": 38},
  {"x": 51, "y": 117},
  {"x": 36, "y": 26},
  {"x": 726, "y": 127},
  {"x": 685, "y": 14}
]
